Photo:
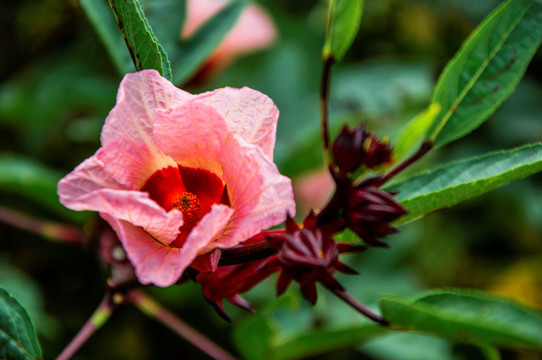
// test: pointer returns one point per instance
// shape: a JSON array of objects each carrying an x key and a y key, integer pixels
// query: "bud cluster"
[
  {"x": 356, "y": 147},
  {"x": 306, "y": 253}
]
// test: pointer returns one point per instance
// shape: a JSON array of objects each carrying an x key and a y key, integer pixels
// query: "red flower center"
[
  {"x": 189, "y": 205},
  {"x": 191, "y": 190}
]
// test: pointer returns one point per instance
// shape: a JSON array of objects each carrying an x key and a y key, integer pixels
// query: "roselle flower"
[
  {"x": 355, "y": 147},
  {"x": 227, "y": 282},
  {"x": 307, "y": 255},
  {"x": 369, "y": 212},
  {"x": 179, "y": 175},
  {"x": 254, "y": 30}
]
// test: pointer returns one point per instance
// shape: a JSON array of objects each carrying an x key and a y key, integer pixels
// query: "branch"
[
  {"x": 50, "y": 230},
  {"x": 324, "y": 104},
  {"x": 96, "y": 321},
  {"x": 153, "y": 309}
]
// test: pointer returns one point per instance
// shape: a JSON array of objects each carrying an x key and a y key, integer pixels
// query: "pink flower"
[
  {"x": 253, "y": 31},
  {"x": 179, "y": 175}
]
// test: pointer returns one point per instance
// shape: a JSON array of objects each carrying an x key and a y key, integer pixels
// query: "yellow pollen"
[{"x": 189, "y": 205}]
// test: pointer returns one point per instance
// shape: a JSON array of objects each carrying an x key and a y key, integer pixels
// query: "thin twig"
[
  {"x": 349, "y": 299},
  {"x": 50, "y": 230},
  {"x": 153, "y": 309},
  {"x": 424, "y": 149},
  {"x": 96, "y": 321},
  {"x": 324, "y": 104}
]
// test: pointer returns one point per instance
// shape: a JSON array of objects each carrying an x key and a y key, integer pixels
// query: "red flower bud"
[
  {"x": 355, "y": 147},
  {"x": 348, "y": 148},
  {"x": 307, "y": 256},
  {"x": 377, "y": 152},
  {"x": 369, "y": 211},
  {"x": 227, "y": 282}
]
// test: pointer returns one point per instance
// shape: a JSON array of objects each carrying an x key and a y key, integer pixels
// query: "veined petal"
[
  {"x": 192, "y": 134},
  {"x": 85, "y": 178},
  {"x": 153, "y": 262},
  {"x": 260, "y": 196},
  {"x": 135, "y": 207},
  {"x": 203, "y": 236},
  {"x": 253, "y": 31},
  {"x": 163, "y": 265},
  {"x": 127, "y": 133},
  {"x": 248, "y": 113}
]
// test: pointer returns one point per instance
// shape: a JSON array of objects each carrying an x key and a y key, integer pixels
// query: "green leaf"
[
  {"x": 344, "y": 18},
  {"x": 29, "y": 295},
  {"x": 191, "y": 53},
  {"x": 467, "y": 316},
  {"x": 486, "y": 69},
  {"x": 415, "y": 130},
  {"x": 17, "y": 336},
  {"x": 143, "y": 45},
  {"x": 458, "y": 181},
  {"x": 103, "y": 20},
  {"x": 326, "y": 340},
  {"x": 35, "y": 181},
  {"x": 490, "y": 353},
  {"x": 166, "y": 18}
]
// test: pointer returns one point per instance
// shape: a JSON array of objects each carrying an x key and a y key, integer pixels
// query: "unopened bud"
[{"x": 370, "y": 211}]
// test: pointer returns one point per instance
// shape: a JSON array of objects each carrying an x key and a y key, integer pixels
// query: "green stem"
[
  {"x": 96, "y": 321},
  {"x": 153, "y": 309}
]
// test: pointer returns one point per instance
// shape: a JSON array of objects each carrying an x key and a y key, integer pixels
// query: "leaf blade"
[
  {"x": 344, "y": 19},
  {"x": 35, "y": 181},
  {"x": 146, "y": 51},
  {"x": 458, "y": 181},
  {"x": 486, "y": 69},
  {"x": 105, "y": 25},
  {"x": 326, "y": 340},
  {"x": 17, "y": 336},
  {"x": 467, "y": 316},
  {"x": 190, "y": 54}
]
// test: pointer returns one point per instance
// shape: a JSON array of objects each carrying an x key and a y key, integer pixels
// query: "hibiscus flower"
[{"x": 179, "y": 175}]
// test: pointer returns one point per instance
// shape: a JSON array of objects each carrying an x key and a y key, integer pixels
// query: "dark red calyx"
[{"x": 369, "y": 212}]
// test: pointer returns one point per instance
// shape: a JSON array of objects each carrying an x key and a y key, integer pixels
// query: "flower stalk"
[
  {"x": 95, "y": 322},
  {"x": 50, "y": 230},
  {"x": 153, "y": 309},
  {"x": 324, "y": 105}
]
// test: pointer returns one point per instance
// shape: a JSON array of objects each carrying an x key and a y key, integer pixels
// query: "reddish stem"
[
  {"x": 424, "y": 149},
  {"x": 96, "y": 321},
  {"x": 349, "y": 299},
  {"x": 324, "y": 104},
  {"x": 153, "y": 309},
  {"x": 48, "y": 229}
]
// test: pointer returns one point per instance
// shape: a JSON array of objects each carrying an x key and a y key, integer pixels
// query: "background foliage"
[{"x": 58, "y": 84}]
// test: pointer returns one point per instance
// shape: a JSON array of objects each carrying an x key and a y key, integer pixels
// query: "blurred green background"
[{"x": 57, "y": 85}]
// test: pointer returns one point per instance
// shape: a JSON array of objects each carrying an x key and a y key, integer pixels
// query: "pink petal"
[
  {"x": 248, "y": 113},
  {"x": 192, "y": 134},
  {"x": 153, "y": 262},
  {"x": 204, "y": 235},
  {"x": 85, "y": 178},
  {"x": 253, "y": 31},
  {"x": 199, "y": 11},
  {"x": 163, "y": 265},
  {"x": 131, "y": 155},
  {"x": 134, "y": 207},
  {"x": 260, "y": 196}
]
